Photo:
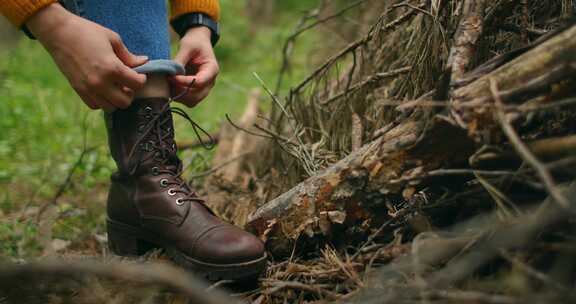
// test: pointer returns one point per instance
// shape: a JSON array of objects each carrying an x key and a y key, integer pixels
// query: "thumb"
[
  {"x": 182, "y": 57},
  {"x": 124, "y": 54}
]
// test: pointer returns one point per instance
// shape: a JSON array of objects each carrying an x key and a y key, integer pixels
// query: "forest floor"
[{"x": 414, "y": 152}]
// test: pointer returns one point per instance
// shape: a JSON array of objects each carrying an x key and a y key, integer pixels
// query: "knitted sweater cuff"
[
  {"x": 208, "y": 7},
  {"x": 18, "y": 11}
]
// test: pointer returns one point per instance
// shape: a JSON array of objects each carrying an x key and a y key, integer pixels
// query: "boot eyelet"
[
  {"x": 179, "y": 202},
  {"x": 164, "y": 182},
  {"x": 147, "y": 147},
  {"x": 171, "y": 192},
  {"x": 155, "y": 171}
]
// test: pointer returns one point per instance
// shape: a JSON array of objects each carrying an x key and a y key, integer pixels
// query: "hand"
[
  {"x": 93, "y": 58},
  {"x": 197, "y": 55}
]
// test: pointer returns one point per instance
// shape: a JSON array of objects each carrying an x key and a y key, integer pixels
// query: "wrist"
[
  {"x": 189, "y": 21},
  {"x": 46, "y": 21},
  {"x": 199, "y": 32}
]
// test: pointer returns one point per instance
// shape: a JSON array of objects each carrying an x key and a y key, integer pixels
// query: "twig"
[
  {"x": 547, "y": 106},
  {"x": 471, "y": 297},
  {"x": 354, "y": 45},
  {"x": 185, "y": 145},
  {"x": 524, "y": 108},
  {"x": 308, "y": 160},
  {"x": 246, "y": 130},
  {"x": 317, "y": 289},
  {"x": 68, "y": 180},
  {"x": 362, "y": 84},
  {"x": 148, "y": 274},
  {"x": 502, "y": 237},
  {"x": 376, "y": 233},
  {"x": 63, "y": 186},
  {"x": 451, "y": 172},
  {"x": 300, "y": 29},
  {"x": 524, "y": 152},
  {"x": 219, "y": 167},
  {"x": 534, "y": 273}
]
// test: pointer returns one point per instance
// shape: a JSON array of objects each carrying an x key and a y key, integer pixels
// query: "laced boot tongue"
[
  {"x": 155, "y": 146},
  {"x": 155, "y": 151}
]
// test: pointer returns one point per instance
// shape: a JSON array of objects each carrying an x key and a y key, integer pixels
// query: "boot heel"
[{"x": 125, "y": 245}]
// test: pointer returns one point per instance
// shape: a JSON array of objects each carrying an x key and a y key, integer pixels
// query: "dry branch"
[
  {"x": 159, "y": 274},
  {"x": 194, "y": 144},
  {"x": 242, "y": 142},
  {"x": 469, "y": 31},
  {"x": 524, "y": 152},
  {"x": 549, "y": 149},
  {"x": 525, "y": 76},
  {"x": 478, "y": 241}
]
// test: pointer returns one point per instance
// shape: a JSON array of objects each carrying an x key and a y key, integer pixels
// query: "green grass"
[{"x": 43, "y": 126}]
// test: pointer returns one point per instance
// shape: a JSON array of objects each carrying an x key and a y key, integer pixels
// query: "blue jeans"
[{"x": 142, "y": 24}]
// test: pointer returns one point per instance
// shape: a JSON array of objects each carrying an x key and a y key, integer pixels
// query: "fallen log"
[
  {"x": 526, "y": 76},
  {"x": 556, "y": 54},
  {"x": 353, "y": 193}
]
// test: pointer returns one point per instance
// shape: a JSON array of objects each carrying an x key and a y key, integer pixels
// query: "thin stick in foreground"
[
  {"x": 150, "y": 274},
  {"x": 523, "y": 150}
]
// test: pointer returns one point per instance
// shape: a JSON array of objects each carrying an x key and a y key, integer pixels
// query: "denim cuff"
[{"x": 161, "y": 66}]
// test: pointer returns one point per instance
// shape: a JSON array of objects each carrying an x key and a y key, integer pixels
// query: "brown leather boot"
[{"x": 150, "y": 206}]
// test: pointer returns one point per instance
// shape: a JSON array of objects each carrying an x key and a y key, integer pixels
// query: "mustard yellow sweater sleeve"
[
  {"x": 181, "y": 7},
  {"x": 18, "y": 11}
]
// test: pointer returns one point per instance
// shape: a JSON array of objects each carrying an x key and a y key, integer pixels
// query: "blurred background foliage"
[{"x": 46, "y": 129}]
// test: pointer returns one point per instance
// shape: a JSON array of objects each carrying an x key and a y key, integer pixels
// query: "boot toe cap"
[{"x": 229, "y": 245}]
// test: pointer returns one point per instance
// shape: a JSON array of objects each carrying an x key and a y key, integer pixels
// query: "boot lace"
[{"x": 156, "y": 137}]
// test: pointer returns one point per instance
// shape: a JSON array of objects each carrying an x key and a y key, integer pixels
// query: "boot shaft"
[{"x": 136, "y": 134}]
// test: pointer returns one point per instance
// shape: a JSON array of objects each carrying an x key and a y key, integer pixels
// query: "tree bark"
[
  {"x": 354, "y": 190},
  {"x": 526, "y": 76}
]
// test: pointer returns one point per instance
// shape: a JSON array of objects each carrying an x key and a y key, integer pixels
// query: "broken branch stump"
[{"x": 352, "y": 192}]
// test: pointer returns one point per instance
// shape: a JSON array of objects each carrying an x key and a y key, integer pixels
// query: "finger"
[
  {"x": 193, "y": 99},
  {"x": 207, "y": 73},
  {"x": 178, "y": 89},
  {"x": 128, "y": 91},
  {"x": 182, "y": 81},
  {"x": 124, "y": 54},
  {"x": 183, "y": 56},
  {"x": 127, "y": 77},
  {"x": 105, "y": 104},
  {"x": 116, "y": 96},
  {"x": 89, "y": 100},
  {"x": 200, "y": 96}
]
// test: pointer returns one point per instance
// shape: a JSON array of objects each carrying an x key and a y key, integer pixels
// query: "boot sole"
[{"x": 129, "y": 241}]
